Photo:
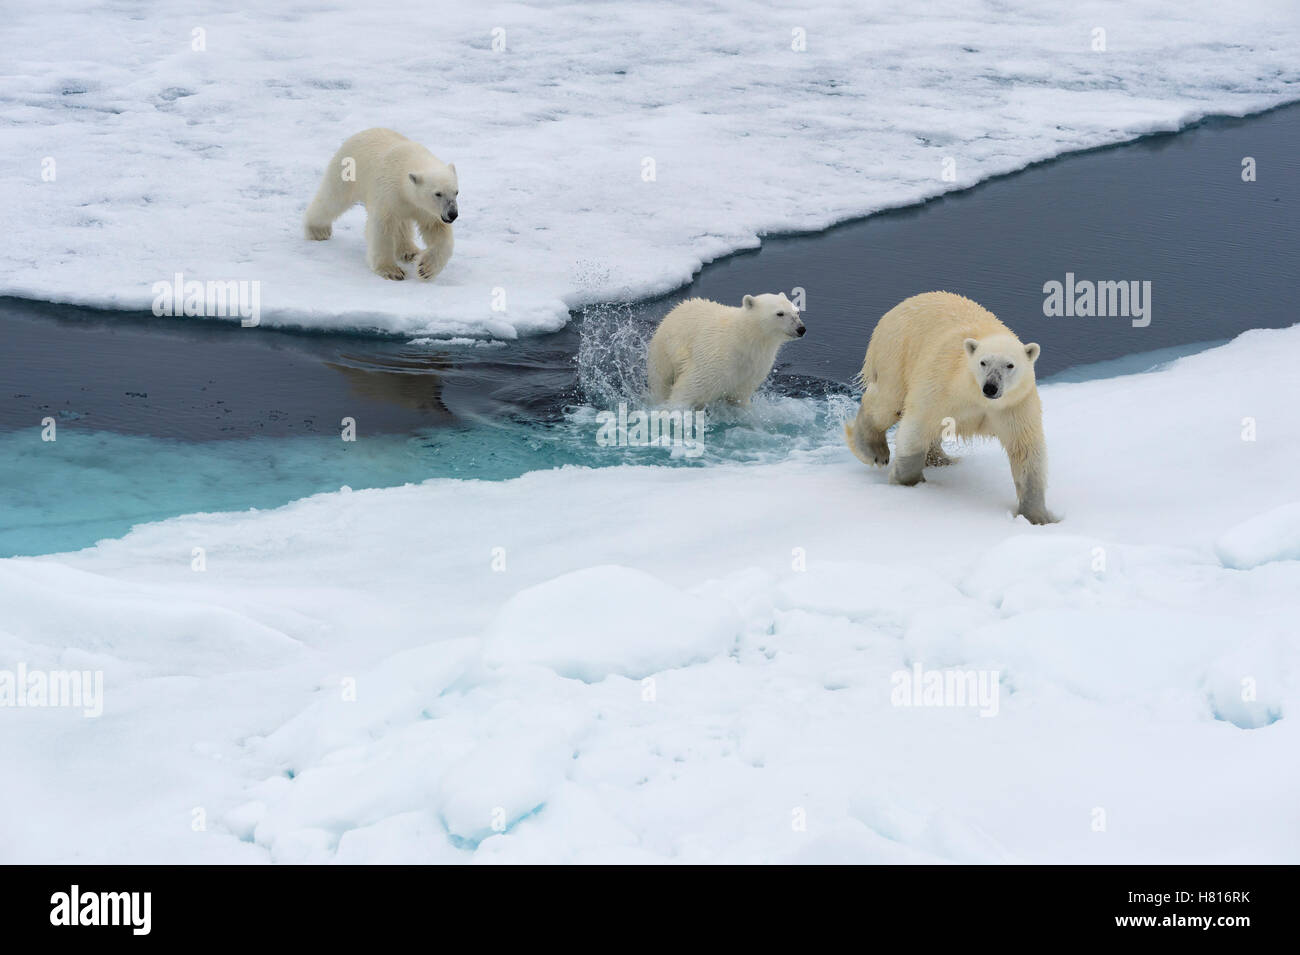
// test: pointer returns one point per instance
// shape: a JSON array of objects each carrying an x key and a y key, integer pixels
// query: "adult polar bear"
[
  {"x": 705, "y": 351},
  {"x": 402, "y": 184},
  {"x": 937, "y": 362}
]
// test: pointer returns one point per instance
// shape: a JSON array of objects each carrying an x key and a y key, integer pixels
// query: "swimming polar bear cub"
[
  {"x": 940, "y": 362},
  {"x": 402, "y": 185},
  {"x": 704, "y": 351}
]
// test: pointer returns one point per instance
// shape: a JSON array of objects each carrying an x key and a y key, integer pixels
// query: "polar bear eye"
[
  {"x": 780, "y": 314},
  {"x": 1010, "y": 366},
  {"x": 438, "y": 195},
  {"x": 984, "y": 363}
]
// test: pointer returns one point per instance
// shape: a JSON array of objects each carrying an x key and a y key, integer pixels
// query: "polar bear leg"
[
  {"x": 692, "y": 390},
  {"x": 659, "y": 377},
  {"x": 911, "y": 445},
  {"x": 683, "y": 394},
  {"x": 334, "y": 197},
  {"x": 864, "y": 435},
  {"x": 1031, "y": 490},
  {"x": 439, "y": 242},
  {"x": 407, "y": 250},
  {"x": 1029, "y": 471},
  {"x": 382, "y": 235}
]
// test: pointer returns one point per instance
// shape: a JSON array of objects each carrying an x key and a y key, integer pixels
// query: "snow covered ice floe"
[
  {"x": 1274, "y": 535},
  {"x": 167, "y": 159},
  {"x": 698, "y": 665},
  {"x": 604, "y": 620}
]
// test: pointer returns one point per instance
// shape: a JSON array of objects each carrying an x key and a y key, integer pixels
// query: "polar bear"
[
  {"x": 402, "y": 184},
  {"x": 939, "y": 364},
  {"x": 704, "y": 351}
]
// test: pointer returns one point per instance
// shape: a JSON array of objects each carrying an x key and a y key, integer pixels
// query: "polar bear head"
[
  {"x": 434, "y": 189},
  {"x": 775, "y": 314},
  {"x": 1003, "y": 368}
]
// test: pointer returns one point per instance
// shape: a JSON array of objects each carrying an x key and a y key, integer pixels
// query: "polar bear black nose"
[
  {"x": 990, "y": 390},
  {"x": 451, "y": 215},
  {"x": 800, "y": 330}
]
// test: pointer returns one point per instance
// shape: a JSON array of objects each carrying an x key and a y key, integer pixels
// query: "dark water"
[
  {"x": 204, "y": 380},
  {"x": 1222, "y": 255},
  {"x": 164, "y": 416}
]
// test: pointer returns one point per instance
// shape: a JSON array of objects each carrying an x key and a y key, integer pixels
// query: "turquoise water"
[{"x": 88, "y": 485}]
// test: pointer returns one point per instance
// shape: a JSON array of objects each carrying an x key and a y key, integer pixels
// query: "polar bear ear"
[
  {"x": 747, "y": 301},
  {"x": 452, "y": 167},
  {"x": 414, "y": 178},
  {"x": 971, "y": 344},
  {"x": 1031, "y": 352}
]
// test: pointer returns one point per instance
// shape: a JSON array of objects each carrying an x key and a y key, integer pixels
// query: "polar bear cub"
[
  {"x": 704, "y": 351},
  {"x": 939, "y": 364},
  {"x": 402, "y": 185}
]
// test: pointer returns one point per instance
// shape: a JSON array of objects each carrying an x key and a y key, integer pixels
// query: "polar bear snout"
[
  {"x": 800, "y": 329},
  {"x": 992, "y": 389},
  {"x": 450, "y": 213}
]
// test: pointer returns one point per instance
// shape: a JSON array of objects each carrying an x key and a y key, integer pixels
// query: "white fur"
[
  {"x": 928, "y": 363},
  {"x": 704, "y": 352},
  {"x": 402, "y": 185}
]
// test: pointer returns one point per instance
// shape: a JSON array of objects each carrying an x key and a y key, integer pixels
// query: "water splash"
[
  {"x": 789, "y": 413},
  {"x": 612, "y": 343}
]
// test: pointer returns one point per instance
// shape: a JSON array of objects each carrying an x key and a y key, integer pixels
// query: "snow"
[
  {"x": 579, "y": 626},
  {"x": 171, "y": 160},
  {"x": 653, "y": 664},
  {"x": 1274, "y": 535}
]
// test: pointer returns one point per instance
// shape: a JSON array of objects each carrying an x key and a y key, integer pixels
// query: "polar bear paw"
[
  {"x": 319, "y": 232},
  {"x": 1037, "y": 515},
  {"x": 428, "y": 267},
  {"x": 906, "y": 470},
  {"x": 871, "y": 449},
  {"x": 391, "y": 271}
]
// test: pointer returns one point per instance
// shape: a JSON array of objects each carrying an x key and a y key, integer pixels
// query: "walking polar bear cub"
[
  {"x": 402, "y": 185},
  {"x": 704, "y": 351},
  {"x": 940, "y": 356}
]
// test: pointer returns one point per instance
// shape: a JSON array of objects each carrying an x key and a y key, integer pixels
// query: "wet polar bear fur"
[
  {"x": 940, "y": 356},
  {"x": 704, "y": 351},
  {"x": 402, "y": 185}
]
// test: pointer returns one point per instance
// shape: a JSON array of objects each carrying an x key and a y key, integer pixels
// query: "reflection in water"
[
  {"x": 408, "y": 381},
  {"x": 197, "y": 380}
]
